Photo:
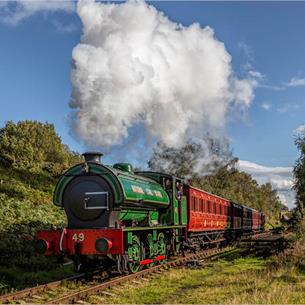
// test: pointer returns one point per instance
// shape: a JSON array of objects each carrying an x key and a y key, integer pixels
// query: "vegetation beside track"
[
  {"x": 28, "y": 173},
  {"x": 23, "y": 212},
  {"x": 231, "y": 279}
]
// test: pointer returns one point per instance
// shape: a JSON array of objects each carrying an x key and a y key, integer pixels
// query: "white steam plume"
[{"x": 135, "y": 67}]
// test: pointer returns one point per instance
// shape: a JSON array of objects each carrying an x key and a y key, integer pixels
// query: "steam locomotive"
[{"x": 123, "y": 220}]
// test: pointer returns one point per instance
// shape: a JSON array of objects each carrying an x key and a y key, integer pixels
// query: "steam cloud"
[{"x": 135, "y": 67}]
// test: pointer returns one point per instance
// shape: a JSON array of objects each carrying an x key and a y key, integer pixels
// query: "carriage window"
[
  {"x": 214, "y": 207},
  {"x": 220, "y": 209},
  {"x": 168, "y": 184},
  {"x": 193, "y": 203},
  {"x": 196, "y": 204},
  {"x": 201, "y": 205},
  {"x": 209, "y": 206}
]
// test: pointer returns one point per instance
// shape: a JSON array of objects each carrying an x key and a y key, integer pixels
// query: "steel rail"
[
  {"x": 83, "y": 294},
  {"x": 28, "y": 292}
]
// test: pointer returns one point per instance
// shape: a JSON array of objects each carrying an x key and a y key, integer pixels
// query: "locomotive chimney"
[{"x": 92, "y": 156}]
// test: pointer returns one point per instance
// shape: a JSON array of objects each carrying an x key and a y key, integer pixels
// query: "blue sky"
[
  {"x": 35, "y": 62},
  {"x": 269, "y": 36}
]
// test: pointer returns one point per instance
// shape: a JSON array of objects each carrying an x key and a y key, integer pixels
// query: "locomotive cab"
[{"x": 176, "y": 214}]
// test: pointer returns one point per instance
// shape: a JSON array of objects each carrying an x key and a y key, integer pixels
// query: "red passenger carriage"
[{"x": 206, "y": 212}]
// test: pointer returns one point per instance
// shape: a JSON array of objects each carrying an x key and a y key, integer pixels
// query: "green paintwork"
[
  {"x": 153, "y": 218},
  {"x": 129, "y": 237},
  {"x": 183, "y": 211},
  {"x": 161, "y": 247},
  {"x": 93, "y": 169},
  {"x": 134, "y": 254},
  {"x": 172, "y": 215},
  {"x": 125, "y": 167},
  {"x": 127, "y": 187},
  {"x": 136, "y": 196},
  {"x": 129, "y": 229},
  {"x": 151, "y": 246},
  {"x": 155, "y": 235},
  {"x": 142, "y": 189},
  {"x": 175, "y": 211},
  {"x": 137, "y": 215}
]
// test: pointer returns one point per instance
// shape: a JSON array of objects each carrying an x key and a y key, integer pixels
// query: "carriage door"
[{"x": 180, "y": 204}]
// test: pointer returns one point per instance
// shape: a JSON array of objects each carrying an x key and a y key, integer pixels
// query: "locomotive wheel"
[
  {"x": 134, "y": 254},
  {"x": 151, "y": 247},
  {"x": 161, "y": 246}
]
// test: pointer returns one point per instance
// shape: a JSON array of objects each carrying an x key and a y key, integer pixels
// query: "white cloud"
[
  {"x": 135, "y": 67},
  {"x": 272, "y": 87},
  {"x": 64, "y": 28},
  {"x": 266, "y": 106},
  {"x": 295, "y": 81},
  {"x": 257, "y": 75},
  {"x": 281, "y": 178},
  {"x": 15, "y": 12},
  {"x": 289, "y": 107},
  {"x": 247, "y": 50},
  {"x": 299, "y": 130}
]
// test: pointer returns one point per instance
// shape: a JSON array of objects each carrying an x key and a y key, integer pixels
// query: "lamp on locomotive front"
[{"x": 93, "y": 156}]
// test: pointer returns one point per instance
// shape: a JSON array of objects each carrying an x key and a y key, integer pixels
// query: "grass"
[
  {"x": 19, "y": 278},
  {"x": 231, "y": 280}
]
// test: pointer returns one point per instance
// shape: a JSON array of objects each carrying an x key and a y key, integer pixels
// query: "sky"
[{"x": 267, "y": 38}]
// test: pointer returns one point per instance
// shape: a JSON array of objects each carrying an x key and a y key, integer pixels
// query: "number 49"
[{"x": 78, "y": 237}]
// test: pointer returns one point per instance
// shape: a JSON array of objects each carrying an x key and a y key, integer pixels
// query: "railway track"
[
  {"x": 28, "y": 292},
  {"x": 59, "y": 293},
  {"x": 72, "y": 290},
  {"x": 266, "y": 243}
]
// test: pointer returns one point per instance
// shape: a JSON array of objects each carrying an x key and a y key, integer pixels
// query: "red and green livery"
[{"x": 122, "y": 220}]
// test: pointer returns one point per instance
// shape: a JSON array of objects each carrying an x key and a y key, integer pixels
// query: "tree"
[
  {"x": 299, "y": 185},
  {"x": 240, "y": 187},
  {"x": 192, "y": 160},
  {"x": 35, "y": 146}
]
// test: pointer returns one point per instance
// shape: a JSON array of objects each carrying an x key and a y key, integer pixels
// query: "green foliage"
[
  {"x": 35, "y": 146},
  {"x": 298, "y": 219},
  {"x": 191, "y": 160},
  {"x": 31, "y": 155},
  {"x": 19, "y": 221}
]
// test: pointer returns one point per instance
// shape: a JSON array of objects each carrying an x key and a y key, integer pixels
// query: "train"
[{"x": 123, "y": 220}]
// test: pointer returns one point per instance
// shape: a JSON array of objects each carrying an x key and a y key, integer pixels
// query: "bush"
[{"x": 35, "y": 146}]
